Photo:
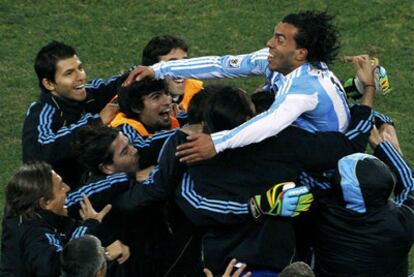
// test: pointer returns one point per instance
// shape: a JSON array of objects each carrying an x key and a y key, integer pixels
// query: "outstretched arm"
[
  {"x": 404, "y": 188},
  {"x": 205, "y": 67}
]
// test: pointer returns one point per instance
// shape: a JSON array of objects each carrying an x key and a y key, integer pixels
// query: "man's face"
[
  {"x": 155, "y": 113},
  {"x": 282, "y": 49},
  {"x": 70, "y": 78},
  {"x": 60, "y": 190},
  {"x": 125, "y": 155},
  {"x": 175, "y": 86}
]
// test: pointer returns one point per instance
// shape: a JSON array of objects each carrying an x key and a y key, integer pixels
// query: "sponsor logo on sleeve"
[{"x": 234, "y": 62}]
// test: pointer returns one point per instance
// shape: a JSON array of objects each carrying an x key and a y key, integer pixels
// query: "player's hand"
[
  {"x": 88, "y": 212},
  {"x": 197, "y": 148},
  {"x": 229, "y": 270},
  {"x": 364, "y": 68},
  {"x": 138, "y": 74},
  {"x": 108, "y": 113},
  {"x": 117, "y": 250},
  {"x": 284, "y": 199}
]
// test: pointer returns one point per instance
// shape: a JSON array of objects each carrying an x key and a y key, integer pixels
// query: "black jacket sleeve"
[
  {"x": 102, "y": 91},
  {"x": 149, "y": 147},
  {"x": 101, "y": 191},
  {"x": 404, "y": 188}
]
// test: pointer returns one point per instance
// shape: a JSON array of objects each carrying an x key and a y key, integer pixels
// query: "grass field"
[{"x": 109, "y": 36}]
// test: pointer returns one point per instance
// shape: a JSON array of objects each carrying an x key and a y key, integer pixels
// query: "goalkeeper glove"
[{"x": 284, "y": 199}]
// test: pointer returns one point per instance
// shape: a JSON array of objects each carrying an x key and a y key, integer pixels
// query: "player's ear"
[
  {"x": 108, "y": 169},
  {"x": 301, "y": 54},
  {"x": 49, "y": 85}
]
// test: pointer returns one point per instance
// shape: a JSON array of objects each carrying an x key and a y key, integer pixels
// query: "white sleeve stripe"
[
  {"x": 195, "y": 66},
  {"x": 209, "y": 204},
  {"x": 46, "y": 134},
  {"x": 403, "y": 170}
]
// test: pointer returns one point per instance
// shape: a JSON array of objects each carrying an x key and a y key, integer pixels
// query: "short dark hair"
[
  {"x": 92, "y": 146},
  {"x": 297, "y": 269},
  {"x": 317, "y": 34},
  {"x": 262, "y": 100},
  {"x": 47, "y": 59},
  {"x": 227, "y": 108},
  {"x": 82, "y": 257},
  {"x": 197, "y": 106},
  {"x": 131, "y": 97},
  {"x": 27, "y": 186},
  {"x": 159, "y": 46}
]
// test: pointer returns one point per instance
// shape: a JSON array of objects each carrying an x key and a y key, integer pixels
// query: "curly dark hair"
[{"x": 317, "y": 34}]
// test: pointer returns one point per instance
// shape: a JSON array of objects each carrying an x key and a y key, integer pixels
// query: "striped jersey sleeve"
[
  {"x": 405, "y": 180},
  {"x": 149, "y": 147},
  {"x": 215, "y": 66},
  {"x": 43, "y": 139}
]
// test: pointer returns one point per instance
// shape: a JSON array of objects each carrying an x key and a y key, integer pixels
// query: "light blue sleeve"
[{"x": 215, "y": 66}]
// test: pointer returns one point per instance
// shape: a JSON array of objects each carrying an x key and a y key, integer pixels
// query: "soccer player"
[
  {"x": 66, "y": 102},
  {"x": 308, "y": 94}
]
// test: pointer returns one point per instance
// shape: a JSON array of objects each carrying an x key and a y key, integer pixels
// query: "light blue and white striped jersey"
[{"x": 310, "y": 97}]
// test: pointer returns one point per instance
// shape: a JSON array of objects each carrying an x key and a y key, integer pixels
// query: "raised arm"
[
  {"x": 404, "y": 188},
  {"x": 206, "y": 67}
]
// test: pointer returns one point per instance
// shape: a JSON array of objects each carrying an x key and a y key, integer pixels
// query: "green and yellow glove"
[{"x": 284, "y": 199}]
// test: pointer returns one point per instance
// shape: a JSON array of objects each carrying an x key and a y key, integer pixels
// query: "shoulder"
[
  {"x": 37, "y": 107},
  {"x": 176, "y": 138}
]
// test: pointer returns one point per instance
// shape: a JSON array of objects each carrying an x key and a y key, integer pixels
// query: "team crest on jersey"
[{"x": 234, "y": 62}]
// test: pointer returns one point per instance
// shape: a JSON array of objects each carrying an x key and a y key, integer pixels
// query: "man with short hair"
[
  {"x": 66, "y": 102},
  {"x": 170, "y": 48},
  {"x": 83, "y": 257},
  {"x": 308, "y": 94}
]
